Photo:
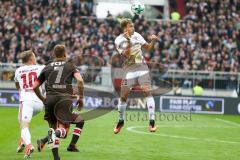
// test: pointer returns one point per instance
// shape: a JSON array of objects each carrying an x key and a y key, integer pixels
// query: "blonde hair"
[
  {"x": 124, "y": 22},
  {"x": 26, "y": 55}
]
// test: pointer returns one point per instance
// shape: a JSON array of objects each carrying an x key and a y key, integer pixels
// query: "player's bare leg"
[
  {"x": 151, "y": 107},
  {"x": 26, "y": 136},
  {"x": 21, "y": 143},
  {"x": 41, "y": 142},
  {"x": 54, "y": 136},
  {"x": 122, "y": 104},
  {"x": 76, "y": 134}
]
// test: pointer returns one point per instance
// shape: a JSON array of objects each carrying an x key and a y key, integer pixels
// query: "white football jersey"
[
  {"x": 136, "y": 50},
  {"x": 26, "y": 76}
]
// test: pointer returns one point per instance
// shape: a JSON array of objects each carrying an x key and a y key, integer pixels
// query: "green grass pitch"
[{"x": 204, "y": 137}]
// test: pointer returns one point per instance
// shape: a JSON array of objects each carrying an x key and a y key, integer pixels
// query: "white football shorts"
[{"x": 28, "y": 109}]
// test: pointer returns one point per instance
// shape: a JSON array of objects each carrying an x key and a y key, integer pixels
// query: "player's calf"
[
  {"x": 151, "y": 111},
  {"x": 41, "y": 143},
  {"x": 118, "y": 127},
  {"x": 55, "y": 149},
  {"x": 76, "y": 134},
  {"x": 122, "y": 104}
]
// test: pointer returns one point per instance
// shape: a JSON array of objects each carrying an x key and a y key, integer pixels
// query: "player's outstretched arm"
[
  {"x": 150, "y": 46},
  {"x": 80, "y": 85},
  {"x": 17, "y": 85},
  {"x": 36, "y": 86}
]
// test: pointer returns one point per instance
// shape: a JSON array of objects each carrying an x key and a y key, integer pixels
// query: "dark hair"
[
  {"x": 26, "y": 55},
  {"x": 125, "y": 22},
  {"x": 59, "y": 51}
]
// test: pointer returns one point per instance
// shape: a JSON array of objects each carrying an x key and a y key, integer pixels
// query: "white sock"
[
  {"x": 151, "y": 107},
  {"x": 26, "y": 136},
  {"x": 56, "y": 143},
  {"x": 121, "y": 109}
]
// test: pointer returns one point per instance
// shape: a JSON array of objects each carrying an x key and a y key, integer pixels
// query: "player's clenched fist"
[
  {"x": 80, "y": 104},
  {"x": 154, "y": 38}
]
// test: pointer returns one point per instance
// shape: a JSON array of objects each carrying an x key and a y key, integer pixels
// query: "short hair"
[
  {"x": 125, "y": 22},
  {"x": 59, "y": 50},
  {"x": 26, "y": 55}
]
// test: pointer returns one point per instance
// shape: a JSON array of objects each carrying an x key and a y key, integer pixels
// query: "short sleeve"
[
  {"x": 41, "y": 78},
  {"x": 117, "y": 45}
]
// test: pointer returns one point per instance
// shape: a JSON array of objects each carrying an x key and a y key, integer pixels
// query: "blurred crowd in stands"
[{"x": 207, "y": 38}]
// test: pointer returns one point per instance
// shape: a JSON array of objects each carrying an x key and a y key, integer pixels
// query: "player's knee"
[
  {"x": 80, "y": 124},
  {"x": 24, "y": 124},
  {"x": 66, "y": 128}
]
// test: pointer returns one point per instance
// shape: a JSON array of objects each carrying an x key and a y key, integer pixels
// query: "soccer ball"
[{"x": 137, "y": 8}]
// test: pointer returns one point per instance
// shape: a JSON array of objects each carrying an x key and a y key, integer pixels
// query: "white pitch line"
[
  {"x": 132, "y": 129},
  {"x": 228, "y": 122},
  {"x": 197, "y": 126}
]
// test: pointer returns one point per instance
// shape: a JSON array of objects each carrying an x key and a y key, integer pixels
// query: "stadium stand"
[{"x": 207, "y": 38}]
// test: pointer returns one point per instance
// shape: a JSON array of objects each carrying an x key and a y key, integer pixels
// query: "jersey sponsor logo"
[
  {"x": 124, "y": 44},
  {"x": 58, "y": 63}
]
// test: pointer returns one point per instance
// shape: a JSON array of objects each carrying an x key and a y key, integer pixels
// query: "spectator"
[
  {"x": 197, "y": 89},
  {"x": 207, "y": 38},
  {"x": 175, "y": 16}
]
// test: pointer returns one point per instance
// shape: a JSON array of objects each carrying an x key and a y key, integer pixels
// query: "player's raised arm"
[
  {"x": 80, "y": 85},
  {"x": 150, "y": 46},
  {"x": 123, "y": 42}
]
